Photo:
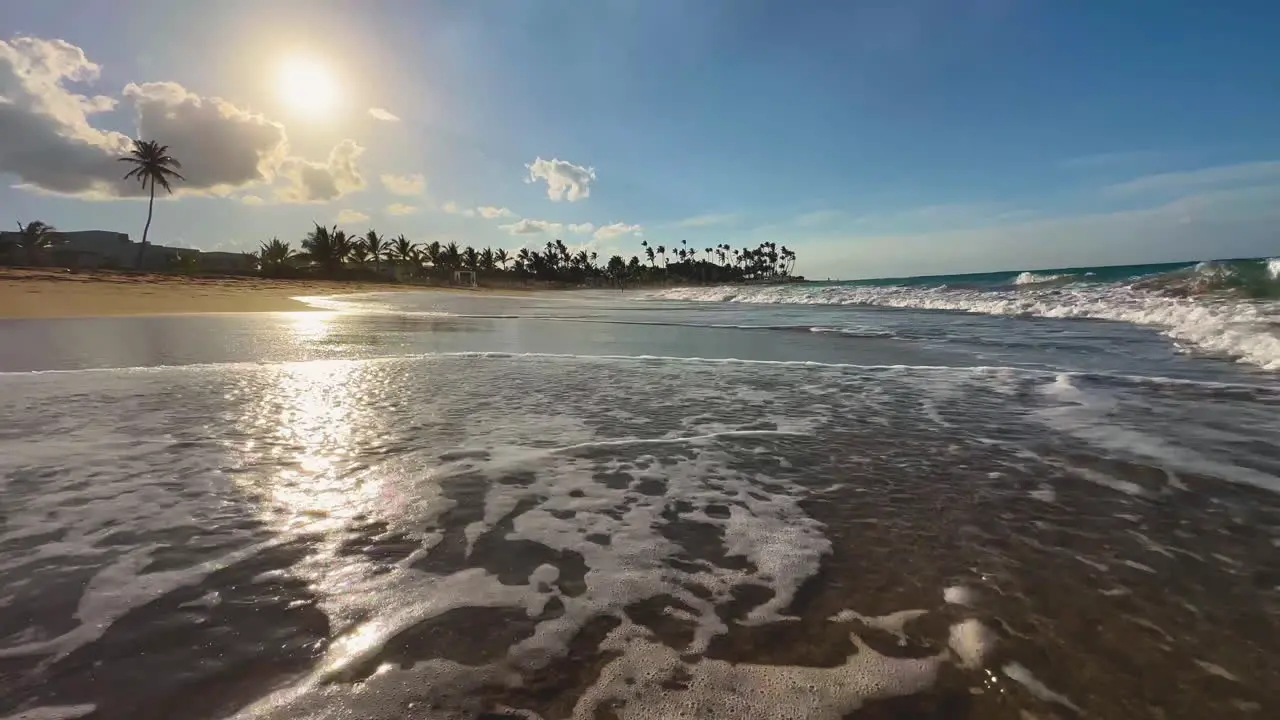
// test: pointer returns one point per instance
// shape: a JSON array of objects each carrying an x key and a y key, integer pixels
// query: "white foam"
[
  {"x": 53, "y": 712},
  {"x": 650, "y": 681},
  {"x": 1273, "y": 268},
  {"x": 894, "y": 623},
  {"x": 960, "y": 595},
  {"x": 972, "y": 642},
  {"x": 1242, "y": 329},
  {"x": 1030, "y": 278},
  {"x": 1217, "y": 670},
  {"x": 1021, "y": 675}
]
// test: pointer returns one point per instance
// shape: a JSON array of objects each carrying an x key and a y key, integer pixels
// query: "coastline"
[{"x": 44, "y": 294}]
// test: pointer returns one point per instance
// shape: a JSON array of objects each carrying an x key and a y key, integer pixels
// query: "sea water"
[{"x": 764, "y": 502}]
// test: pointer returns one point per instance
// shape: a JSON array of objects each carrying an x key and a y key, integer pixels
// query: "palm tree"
[
  {"x": 152, "y": 165},
  {"x": 501, "y": 258},
  {"x": 433, "y": 254},
  {"x": 36, "y": 236},
  {"x": 487, "y": 259},
  {"x": 327, "y": 247},
  {"x": 377, "y": 249},
  {"x": 470, "y": 259},
  {"x": 360, "y": 252},
  {"x": 402, "y": 249},
  {"x": 648, "y": 252},
  {"x": 274, "y": 256},
  {"x": 450, "y": 255}
]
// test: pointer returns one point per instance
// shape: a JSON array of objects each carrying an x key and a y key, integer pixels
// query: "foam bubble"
[
  {"x": 1021, "y": 675},
  {"x": 53, "y": 712},
  {"x": 960, "y": 595},
  {"x": 972, "y": 642},
  {"x": 651, "y": 681}
]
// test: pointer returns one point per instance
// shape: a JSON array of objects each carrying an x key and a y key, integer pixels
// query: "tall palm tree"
[
  {"x": 450, "y": 255},
  {"x": 487, "y": 259},
  {"x": 433, "y": 253},
  {"x": 501, "y": 257},
  {"x": 376, "y": 247},
  {"x": 152, "y": 165}
]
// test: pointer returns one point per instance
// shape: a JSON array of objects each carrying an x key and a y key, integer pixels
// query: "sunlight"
[{"x": 307, "y": 85}]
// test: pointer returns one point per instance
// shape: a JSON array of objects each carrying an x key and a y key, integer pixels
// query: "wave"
[
  {"x": 1030, "y": 278},
  {"x": 1243, "y": 328}
]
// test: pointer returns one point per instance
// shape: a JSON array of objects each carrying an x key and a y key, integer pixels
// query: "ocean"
[{"x": 1014, "y": 495}]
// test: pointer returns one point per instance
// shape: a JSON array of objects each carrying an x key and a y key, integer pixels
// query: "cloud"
[
  {"x": 348, "y": 217},
  {"x": 582, "y": 228},
  {"x": 819, "y": 217},
  {"x": 618, "y": 229},
  {"x": 712, "y": 220},
  {"x": 491, "y": 213},
  {"x": 454, "y": 208},
  {"x": 405, "y": 184},
  {"x": 1205, "y": 177},
  {"x": 384, "y": 115},
  {"x": 48, "y": 142},
  {"x": 401, "y": 209},
  {"x": 1109, "y": 160},
  {"x": 321, "y": 182},
  {"x": 252, "y": 200},
  {"x": 565, "y": 181},
  {"x": 532, "y": 227}
]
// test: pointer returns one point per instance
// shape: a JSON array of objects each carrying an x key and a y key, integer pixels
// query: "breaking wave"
[{"x": 1227, "y": 308}]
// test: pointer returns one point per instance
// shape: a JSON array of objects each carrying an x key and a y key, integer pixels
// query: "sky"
[{"x": 875, "y": 138}]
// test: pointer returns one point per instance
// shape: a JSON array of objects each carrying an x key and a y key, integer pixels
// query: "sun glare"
[{"x": 306, "y": 85}]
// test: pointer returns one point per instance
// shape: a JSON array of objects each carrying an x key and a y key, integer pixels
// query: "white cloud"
[
  {"x": 48, "y": 142},
  {"x": 582, "y": 228},
  {"x": 1109, "y": 160},
  {"x": 532, "y": 227},
  {"x": 1204, "y": 177},
  {"x": 348, "y": 216},
  {"x": 384, "y": 115},
  {"x": 565, "y": 181},
  {"x": 322, "y": 182},
  {"x": 405, "y": 184},
  {"x": 454, "y": 208},
  {"x": 491, "y": 213},
  {"x": 819, "y": 217},
  {"x": 618, "y": 229},
  {"x": 401, "y": 209},
  {"x": 711, "y": 220},
  {"x": 252, "y": 200}
]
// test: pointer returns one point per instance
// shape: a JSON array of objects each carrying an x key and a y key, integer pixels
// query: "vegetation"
[
  {"x": 333, "y": 253},
  {"x": 152, "y": 165}
]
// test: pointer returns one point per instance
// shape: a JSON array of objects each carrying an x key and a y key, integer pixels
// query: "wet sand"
[{"x": 36, "y": 293}]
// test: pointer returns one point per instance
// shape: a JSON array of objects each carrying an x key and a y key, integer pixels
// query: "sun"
[{"x": 307, "y": 85}]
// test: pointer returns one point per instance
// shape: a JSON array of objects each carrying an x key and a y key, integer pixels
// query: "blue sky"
[{"x": 883, "y": 138}]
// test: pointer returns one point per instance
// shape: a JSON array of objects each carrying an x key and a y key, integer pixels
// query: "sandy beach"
[{"x": 30, "y": 293}]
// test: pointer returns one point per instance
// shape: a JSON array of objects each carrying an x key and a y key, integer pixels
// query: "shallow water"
[{"x": 602, "y": 505}]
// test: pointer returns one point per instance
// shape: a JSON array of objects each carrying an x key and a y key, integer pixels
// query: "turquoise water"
[{"x": 1251, "y": 273}]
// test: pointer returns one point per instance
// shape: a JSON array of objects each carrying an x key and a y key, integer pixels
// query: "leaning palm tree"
[
  {"x": 501, "y": 257},
  {"x": 152, "y": 165}
]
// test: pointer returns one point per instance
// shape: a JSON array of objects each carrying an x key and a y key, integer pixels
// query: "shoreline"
[{"x": 31, "y": 294}]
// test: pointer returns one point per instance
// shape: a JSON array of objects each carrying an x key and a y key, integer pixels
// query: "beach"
[
  {"x": 40, "y": 293},
  {"x": 589, "y": 504}
]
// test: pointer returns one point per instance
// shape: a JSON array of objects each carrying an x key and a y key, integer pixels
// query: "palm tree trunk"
[{"x": 151, "y": 204}]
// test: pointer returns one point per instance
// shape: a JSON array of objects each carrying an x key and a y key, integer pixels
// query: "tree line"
[{"x": 334, "y": 252}]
